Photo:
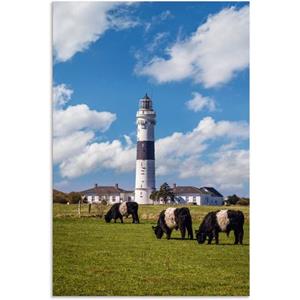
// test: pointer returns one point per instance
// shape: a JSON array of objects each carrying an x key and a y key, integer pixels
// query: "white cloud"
[
  {"x": 106, "y": 155},
  {"x": 78, "y": 117},
  {"x": 211, "y": 56},
  {"x": 199, "y": 102},
  {"x": 158, "y": 19},
  {"x": 78, "y": 24},
  {"x": 128, "y": 140},
  {"x": 70, "y": 145},
  {"x": 61, "y": 95},
  {"x": 157, "y": 40},
  {"x": 74, "y": 127},
  {"x": 229, "y": 169},
  {"x": 164, "y": 15},
  {"x": 193, "y": 143}
]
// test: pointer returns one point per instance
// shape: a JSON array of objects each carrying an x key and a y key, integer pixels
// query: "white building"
[
  {"x": 197, "y": 196},
  {"x": 145, "y": 159},
  {"x": 211, "y": 196},
  {"x": 111, "y": 194}
]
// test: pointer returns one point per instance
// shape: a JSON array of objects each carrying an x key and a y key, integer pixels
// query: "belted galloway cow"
[
  {"x": 174, "y": 218},
  {"x": 221, "y": 221},
  {"x": 118, "y": 210}
]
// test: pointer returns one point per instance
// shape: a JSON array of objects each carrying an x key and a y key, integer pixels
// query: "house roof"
[
  {"x": 104, "y": 190},
  {"x": 210, "y": 190},
  {"x": 177, "y": 190},
  {"x": 186, "y": 190}
]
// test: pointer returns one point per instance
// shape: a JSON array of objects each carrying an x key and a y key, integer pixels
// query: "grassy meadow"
[{"x": 93, "y": 258}]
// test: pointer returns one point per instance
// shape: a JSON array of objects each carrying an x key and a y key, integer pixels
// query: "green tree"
[
  {"x": 166, "y": 193},
  {"x": 154, "y": 196},
  {"x": 243, "y": 201},
  {"x": 74, "y": 197},
  {"x": 60, "y": 197},
  {"x": 233, "y": 199}
]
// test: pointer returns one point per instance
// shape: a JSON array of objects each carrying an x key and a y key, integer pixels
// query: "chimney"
[
  {"x": 96, "y": 185},
  {"x": 117, "y": 186},
  {"x": 174, "y": 185}
]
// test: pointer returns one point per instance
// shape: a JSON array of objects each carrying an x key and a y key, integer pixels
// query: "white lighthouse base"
[{"x": 142, "y": 196}]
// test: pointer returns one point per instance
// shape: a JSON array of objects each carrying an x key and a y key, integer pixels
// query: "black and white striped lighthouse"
[{"x": 145, "y": 155}]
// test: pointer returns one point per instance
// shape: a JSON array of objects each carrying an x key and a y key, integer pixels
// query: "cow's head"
[
  {"x": 107, "y": 218},
  {"x": 158, "y": 231},
  {"x": 200, "y": 236}
]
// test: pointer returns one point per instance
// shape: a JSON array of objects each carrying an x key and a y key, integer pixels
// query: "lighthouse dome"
[{"x": 146, "y": 102}]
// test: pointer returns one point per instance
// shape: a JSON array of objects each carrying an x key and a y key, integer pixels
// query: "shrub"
[
  {"x": 243, "y": 201},
  {"x": 74, "y": 197},
  {"x": 233, "y": 199},
  {"x": 103, "y": 202},
  {"x": 60, "y": 197}
]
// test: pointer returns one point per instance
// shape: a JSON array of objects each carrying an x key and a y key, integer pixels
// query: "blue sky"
[{"x": 191, "y": 58}]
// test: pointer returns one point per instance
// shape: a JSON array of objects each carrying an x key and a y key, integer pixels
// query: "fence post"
[{"x": 79, "y": 208}]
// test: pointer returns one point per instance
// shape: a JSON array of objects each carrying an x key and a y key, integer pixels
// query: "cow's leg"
[
  {"x": 121, "y": 217},
  {"x": 168, "y": 233},
  {"x": 210, "y": 237},
  {"x": 236, "y": 236},
  {"x": 241, "y": 235},
  {"x": 135, "y": 218},
  {"x": 190, "y": 231},
  {"x": 216, "y": 234},
  {"x": 115, "y": 216},
  {"x": 182, "y": 231},
  {"x": 165, "y": 229}
]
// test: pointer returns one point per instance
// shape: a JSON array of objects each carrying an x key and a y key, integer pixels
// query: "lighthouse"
[{"x": 145, "y": 154}]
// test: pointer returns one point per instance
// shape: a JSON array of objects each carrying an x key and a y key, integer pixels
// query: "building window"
[
  {"x": 113, "y": 198},
  {"x": 93, "y": 198}
]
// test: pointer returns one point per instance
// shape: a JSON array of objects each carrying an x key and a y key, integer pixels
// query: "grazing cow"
[
  {"x": 174, "y": 218},
  {"x": 118, "y": 210},
  {"x": 221, "y": 221}
]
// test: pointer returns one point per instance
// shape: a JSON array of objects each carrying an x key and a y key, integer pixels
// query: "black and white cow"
[
  {"x": 118, "y": 210},
  {"x": 174, "y": 218},
  {"x": 221, "y": 221}
]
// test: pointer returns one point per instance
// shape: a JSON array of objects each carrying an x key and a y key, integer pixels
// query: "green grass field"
[{"x": 91, "y": 257}]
